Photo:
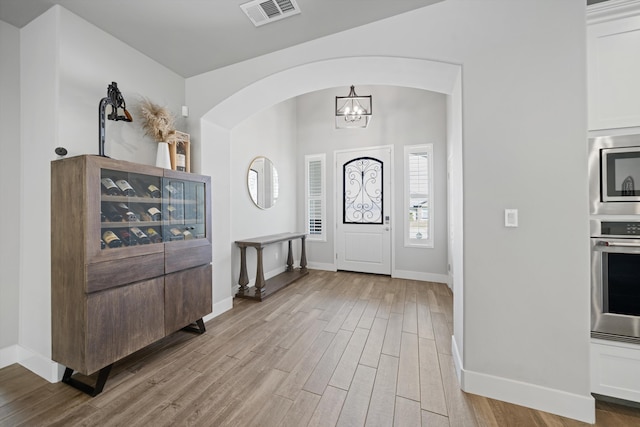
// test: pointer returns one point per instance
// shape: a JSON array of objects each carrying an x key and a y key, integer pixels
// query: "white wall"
[
  {"x": 270, "y": 133},
  {"x": 402, "y": 116},
  {"x": 9, "y": 187},
  {"x": 39, "y": 127},
  {"x": 526, "y": 302},
  {"x": 89, "y": 60},
  {"x": 66, "y": 66}
]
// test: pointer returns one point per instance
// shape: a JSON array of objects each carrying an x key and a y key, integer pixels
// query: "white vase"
[{"x": 163, "y": 160}]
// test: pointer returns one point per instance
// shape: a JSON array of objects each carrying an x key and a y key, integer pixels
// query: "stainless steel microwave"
[{"x": 614, "y": 175}]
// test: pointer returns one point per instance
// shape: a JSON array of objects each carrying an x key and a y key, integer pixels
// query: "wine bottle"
[
  {"x": 176, "y": 234},
  {"x": 150, "y": 189},
  {"x": 125, "y": 187},
  {"x": 126, "y": 213},
  {"x": 143, "y": 215},
  {"x": 154, "y": 236},
  {"x": 102, "y": 244},
  {"x": 140, "y": 236},
  {"x": 111, "y": 240},
  {"x": 172, "y": 191},
  {"x": 103, "y": 217},
  {"x": 173, "y": 212},
  {"x": 154, "y": 213},
  {"x": 126, "y": 237},
  {"x": 187, "y": 235},
  {"x": 181, "y": 156},
  {"x": 111, "y": 213},
  {"x": 109, "y": 187},
  {"x": 153, "y": 191}
]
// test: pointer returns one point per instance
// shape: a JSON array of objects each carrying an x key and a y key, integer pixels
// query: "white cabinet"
[
  {"x": 613, "y": 64},
  {"x": 615, "y": 369}
]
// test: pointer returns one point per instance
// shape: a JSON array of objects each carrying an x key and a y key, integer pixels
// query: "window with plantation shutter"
[
  {"x": 418, "y": 162},
  {"x": 315, "y": 196}
]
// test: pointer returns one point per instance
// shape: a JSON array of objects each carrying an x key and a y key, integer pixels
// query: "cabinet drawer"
[
  {"x": 182, "y": 255},
  {"x": 123, "y": 320},
  {"x": 187, "y": 296},
  {"x": 615, "y": 369},
  {"x": 109, "y": 274}
]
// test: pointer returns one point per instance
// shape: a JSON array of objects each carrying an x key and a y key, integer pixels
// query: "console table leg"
[
  {"x": 303, "y": 256},
  {"x": 290, "y": 258},
  {"x": 244, "y": 277},
  {"x": 260, "y": 290}
]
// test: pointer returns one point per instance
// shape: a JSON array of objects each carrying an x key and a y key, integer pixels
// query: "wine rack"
[
  {"x": 130, "y": 260},
  {"x": 153, "y": 210}
]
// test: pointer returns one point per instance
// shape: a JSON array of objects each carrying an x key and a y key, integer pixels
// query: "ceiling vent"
[{"x": 264, "y": 11}]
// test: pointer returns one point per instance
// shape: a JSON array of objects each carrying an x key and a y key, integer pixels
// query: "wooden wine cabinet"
[{"x": 108, "y": 302}]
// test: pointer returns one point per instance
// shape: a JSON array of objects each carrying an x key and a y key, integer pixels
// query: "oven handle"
[{"x": 620, "y": 244}]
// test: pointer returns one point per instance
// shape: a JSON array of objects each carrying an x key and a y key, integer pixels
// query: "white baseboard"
[
  {"x": 219, "y": 308},
  {"x": 322, "y": 266},
  {"x": 457, "y": 359},
  {"x": 570, "y": 405},
  {"x": 36, "y": 363},
  {"x": 417, "y": 275},
  {"x": 9, "y": 355}
]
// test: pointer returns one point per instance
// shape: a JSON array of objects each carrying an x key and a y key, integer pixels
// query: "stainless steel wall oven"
[{"x": 615, "y": 280}]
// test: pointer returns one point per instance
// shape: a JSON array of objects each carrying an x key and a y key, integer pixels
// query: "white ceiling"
[{"x": 194, "y": 36}]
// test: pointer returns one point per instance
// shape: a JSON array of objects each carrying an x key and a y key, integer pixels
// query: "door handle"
[{"x": 386, "y": 229}]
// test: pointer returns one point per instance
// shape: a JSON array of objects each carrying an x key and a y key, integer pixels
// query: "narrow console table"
[{"x": 264, "y": 288}]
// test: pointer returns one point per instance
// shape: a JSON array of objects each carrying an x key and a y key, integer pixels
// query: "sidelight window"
[
  {"x": 315, "y": 196},
  {"x": 418, "y": 190}
]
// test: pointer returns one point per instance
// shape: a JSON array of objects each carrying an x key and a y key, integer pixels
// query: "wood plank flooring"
[{"x": 333, "y": 349}]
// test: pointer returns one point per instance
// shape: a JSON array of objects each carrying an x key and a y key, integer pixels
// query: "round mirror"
[{"x": 262, "y": 181}]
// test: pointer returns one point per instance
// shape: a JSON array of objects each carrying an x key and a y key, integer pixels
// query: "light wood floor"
[{"x": 334, "y": 349}]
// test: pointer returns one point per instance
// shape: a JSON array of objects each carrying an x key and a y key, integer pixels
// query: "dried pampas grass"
[{"x": 157, "y": 121}]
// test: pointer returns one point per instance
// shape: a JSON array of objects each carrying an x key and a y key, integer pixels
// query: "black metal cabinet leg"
[
  {"x": 198, "y": 328},
  {"x": 86, "y": 388}
]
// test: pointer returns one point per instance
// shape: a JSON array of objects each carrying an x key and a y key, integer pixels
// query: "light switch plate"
[{"x": 511, "y": 217}]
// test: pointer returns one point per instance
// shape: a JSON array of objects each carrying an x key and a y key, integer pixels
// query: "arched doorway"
[{"x": 215, "y": 137}]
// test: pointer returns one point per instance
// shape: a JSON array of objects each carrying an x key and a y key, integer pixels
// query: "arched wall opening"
[{"x": 215, "y": 140}]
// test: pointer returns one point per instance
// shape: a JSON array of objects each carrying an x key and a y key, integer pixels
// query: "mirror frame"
[{"x": 256, "y": 200}]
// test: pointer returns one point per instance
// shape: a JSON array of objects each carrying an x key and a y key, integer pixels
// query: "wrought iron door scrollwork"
[{"x": 362, "y": 191}]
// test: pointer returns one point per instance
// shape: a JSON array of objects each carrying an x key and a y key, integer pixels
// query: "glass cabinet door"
[
  {"x": 131, "y": 209},
  {"x": 139, "y": 209},
  {"x": 184, "y": 210}
]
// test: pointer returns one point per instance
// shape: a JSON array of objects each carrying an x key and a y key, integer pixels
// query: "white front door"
[{"x": 363, "y": 201}]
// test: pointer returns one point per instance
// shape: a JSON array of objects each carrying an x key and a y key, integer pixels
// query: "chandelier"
[{"x": 353, "y": 111}]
